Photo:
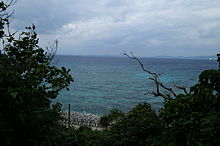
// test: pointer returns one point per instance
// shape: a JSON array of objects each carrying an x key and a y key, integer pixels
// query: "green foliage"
[
  {"x": 28, "y": 83},
  {"x": 111, "y": 118},
  {"x": 194, "y": 119},
  {"x": 137, "y": 127},
  {"x": 85, "y": 136}
]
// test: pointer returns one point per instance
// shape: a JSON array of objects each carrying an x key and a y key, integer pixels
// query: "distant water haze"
[{"x": 105, "y": 83}]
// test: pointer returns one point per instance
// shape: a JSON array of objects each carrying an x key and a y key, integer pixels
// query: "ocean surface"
[{"x": 105, "y": 83}]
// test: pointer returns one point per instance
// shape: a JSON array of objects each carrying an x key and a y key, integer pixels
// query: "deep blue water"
[{"x": 103, "y": 83}]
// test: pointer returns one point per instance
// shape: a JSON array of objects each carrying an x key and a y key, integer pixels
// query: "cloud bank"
[{"x": 108, "y": 27}]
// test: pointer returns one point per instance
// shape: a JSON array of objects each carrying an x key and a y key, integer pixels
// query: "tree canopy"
[{"x": 28, "y": 83}]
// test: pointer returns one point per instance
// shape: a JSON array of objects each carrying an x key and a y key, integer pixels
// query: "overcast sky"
[{"x": 108, "y": 27}]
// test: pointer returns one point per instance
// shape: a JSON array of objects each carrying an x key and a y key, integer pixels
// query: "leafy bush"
[
  {"x": 28, "y": 83},
  {"x": 111, "y": 118},
  {"x": 194, "y": 119},
  {"x": 136, "y": 127}
]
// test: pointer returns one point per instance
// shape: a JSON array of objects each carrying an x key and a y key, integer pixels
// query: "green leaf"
[{"x": 14, "y": 94}]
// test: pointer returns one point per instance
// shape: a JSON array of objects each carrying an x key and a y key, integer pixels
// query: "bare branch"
[
  {"x": 52, "y": 50},
  {"x": 142, "y": 66},
  {"x": 181, "y": 88},
  {"x": 155, "y": 78},
  {"x": 158, "y": 93},
  {"x": 167, "y": 88}
]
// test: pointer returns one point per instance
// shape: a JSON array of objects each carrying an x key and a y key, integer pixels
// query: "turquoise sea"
[{"x": 105, "y": 83}]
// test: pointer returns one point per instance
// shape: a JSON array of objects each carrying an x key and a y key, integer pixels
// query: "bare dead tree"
[
  {"x": 52, "y": 50},
  {"x": 159, "y": 85}
]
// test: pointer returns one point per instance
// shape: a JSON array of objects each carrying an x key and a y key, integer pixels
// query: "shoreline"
[{"x": 78, "y": 119}]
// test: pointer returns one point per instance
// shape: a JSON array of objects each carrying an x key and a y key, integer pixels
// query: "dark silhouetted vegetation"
[
  {"x": 194, "y": 119},
  {"x": 137, "y": 127},
  {"x": 111, "y": 118},
  {"x": 28, "y": 83}
]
